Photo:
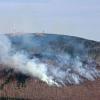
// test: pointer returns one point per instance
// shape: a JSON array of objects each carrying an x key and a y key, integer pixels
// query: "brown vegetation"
[{"x": 37, "y": 90}]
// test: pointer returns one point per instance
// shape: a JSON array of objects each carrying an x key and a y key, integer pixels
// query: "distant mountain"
[
  {"x": 53, "y": 43},
  {"x": 54, "y": 59},
  {"x": 57, "y": 51}
]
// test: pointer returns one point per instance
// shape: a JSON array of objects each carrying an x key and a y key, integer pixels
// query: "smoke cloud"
[{"x": 64, "y": 70}]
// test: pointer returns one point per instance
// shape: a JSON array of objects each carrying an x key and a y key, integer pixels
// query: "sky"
[{"x": 71, "y": 17}]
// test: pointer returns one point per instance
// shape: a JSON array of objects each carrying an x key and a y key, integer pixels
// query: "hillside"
[{"x": 50, "y": 49}]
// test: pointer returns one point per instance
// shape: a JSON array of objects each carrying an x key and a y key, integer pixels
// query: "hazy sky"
[{"x": 72, "y": 17}]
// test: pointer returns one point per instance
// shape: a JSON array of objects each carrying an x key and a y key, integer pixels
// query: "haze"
[{"x": 71, "y": 17}]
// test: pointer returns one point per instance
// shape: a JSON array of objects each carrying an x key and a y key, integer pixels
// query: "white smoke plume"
[
  {"x": 20, "y": 62},
  {"x": 64, "y": 70}
]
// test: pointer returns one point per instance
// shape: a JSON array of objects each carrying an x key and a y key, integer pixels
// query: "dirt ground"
[{"x": 37, "y": 90}]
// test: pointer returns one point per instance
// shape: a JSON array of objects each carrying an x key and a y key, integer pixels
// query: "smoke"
[
  {"x": 20, "y": 62},
  {"x": 61, "y": 70}
]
